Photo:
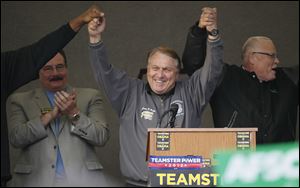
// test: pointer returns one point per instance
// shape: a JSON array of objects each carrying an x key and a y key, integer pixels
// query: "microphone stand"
[
  {"x": 161, "y": 118},
  {"x": 232, "y": 119},
  {"x": 172, "y": 119}
]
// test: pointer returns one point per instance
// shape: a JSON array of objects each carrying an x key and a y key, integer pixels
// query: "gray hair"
[
  {"x": 251, "y": 43},
  {"x": 167, "y": 51}
]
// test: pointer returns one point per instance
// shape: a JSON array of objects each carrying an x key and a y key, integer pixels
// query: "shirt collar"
[{"x": 251, "y": 74}]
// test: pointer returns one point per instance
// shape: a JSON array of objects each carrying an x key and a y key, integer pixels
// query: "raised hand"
[
  {"x": 208, "y": 18},
  {"x": 95, "y": 28},
  {"x": 93, "y": 12}
]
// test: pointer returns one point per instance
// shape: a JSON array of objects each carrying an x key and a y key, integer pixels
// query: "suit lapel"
[{"x": 41, "y": 99}]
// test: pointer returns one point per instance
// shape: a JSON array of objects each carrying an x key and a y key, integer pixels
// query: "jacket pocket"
[
  {"x": 93, "y": 165},
  {"x": 23, "y": 169}
]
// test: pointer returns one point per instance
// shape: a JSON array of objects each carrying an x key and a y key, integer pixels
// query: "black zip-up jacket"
[
  {"x": 241, "y": 100},
  {"x": 20, "y": 67}
]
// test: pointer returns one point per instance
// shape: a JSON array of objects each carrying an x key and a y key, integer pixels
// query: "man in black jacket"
[
  {"x": 255, "y": 94},
  {"x": 22, "y": 66}
]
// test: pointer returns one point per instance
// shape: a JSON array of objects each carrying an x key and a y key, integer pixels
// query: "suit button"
[
  {"x": 54, "y": 147},
  {"x": 53, "y": 166}
]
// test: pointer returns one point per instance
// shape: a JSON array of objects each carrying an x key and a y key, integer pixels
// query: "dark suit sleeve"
[
  {"x": 22, "y": 65},
  {"x": 195, "y": 49}
]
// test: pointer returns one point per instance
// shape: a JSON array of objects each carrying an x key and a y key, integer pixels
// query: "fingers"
[
  {"x": 60, "y": 103},
  {"x": 64, "y": 101},
  {"x": 61, "y": 96},
  {"x": 95, "y": 23},
  {"x": 73, "y": 95},
  {"x": 94, "y": 12},
  {"x": 208, "y": 17},
  {"x": 98, "y": 21}
]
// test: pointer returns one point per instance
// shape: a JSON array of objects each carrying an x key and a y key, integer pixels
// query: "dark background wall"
[{"x": 133, "y": 28}]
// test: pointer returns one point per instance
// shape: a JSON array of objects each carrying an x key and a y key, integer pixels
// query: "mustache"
[{"x": 56, "y": 78}]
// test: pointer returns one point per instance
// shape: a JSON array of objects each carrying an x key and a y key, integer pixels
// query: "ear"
[{"x": 252, "y": 59}]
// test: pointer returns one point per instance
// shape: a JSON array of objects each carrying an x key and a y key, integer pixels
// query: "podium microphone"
[{"x": 172, "y": 111}]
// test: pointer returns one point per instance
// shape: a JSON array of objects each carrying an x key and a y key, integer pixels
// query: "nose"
[
  {"x": 276, "y": 60},
  {"x": 160, "y": 73}
]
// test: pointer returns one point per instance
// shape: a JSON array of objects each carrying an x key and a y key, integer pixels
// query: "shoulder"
[
  {"x": 232, "y": 68},
  {"x": 87, "y": 92},
  {"x": 16, "y": 96}
]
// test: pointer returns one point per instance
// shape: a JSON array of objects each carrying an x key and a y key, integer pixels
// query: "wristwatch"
[
  {"x": 75, "y": 117},
  {"x": 213, "y": 32}
]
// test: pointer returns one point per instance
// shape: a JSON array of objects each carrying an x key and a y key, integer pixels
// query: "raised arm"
[
  {"x": 195, "y": 48},
  {"x": 32, "y": 57}
]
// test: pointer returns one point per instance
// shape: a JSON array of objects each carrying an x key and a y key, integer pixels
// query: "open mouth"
[{"x": 274, "y": 70}]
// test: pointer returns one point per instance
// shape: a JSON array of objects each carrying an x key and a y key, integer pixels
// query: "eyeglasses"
[
  {"x": 50, "y": 69},
  {"x": 273, "y": 55}
]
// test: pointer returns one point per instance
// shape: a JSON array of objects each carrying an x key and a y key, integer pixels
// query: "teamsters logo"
[
  {"x": 189, "y": 171},
  {"x": 147, "y": 113}
]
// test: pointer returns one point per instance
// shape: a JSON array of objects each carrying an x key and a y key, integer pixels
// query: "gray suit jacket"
[{"x": 35, "y": 165}]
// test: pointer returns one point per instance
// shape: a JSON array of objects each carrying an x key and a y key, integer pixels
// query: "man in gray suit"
[{"x": 56, "y": 128}]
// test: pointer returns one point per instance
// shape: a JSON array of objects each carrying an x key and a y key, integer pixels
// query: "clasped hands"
[
  {"x": 65, "y": 104},
  {"x": 208, "y": 18}
]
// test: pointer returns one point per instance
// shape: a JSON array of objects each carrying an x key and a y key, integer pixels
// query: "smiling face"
[
  {"x": 162, "y": 72},
  {"x": 53, "y": 76}
]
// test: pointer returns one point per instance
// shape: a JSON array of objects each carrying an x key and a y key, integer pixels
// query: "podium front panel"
[{"x": 199, "y": 141}]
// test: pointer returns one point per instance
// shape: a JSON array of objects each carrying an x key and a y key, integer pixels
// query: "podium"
[{"x": 201, "y": 142}]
